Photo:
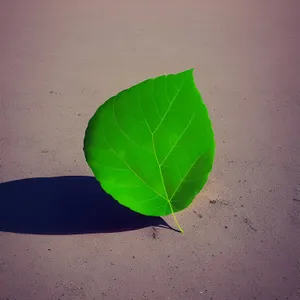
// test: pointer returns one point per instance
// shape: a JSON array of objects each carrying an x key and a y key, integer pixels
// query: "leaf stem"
[{"x": 181, "y": 230}]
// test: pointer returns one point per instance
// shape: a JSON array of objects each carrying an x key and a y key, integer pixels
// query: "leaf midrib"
[{"x": 153, "y": 144}]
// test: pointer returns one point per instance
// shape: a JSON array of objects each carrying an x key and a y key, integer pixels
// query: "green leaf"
[{"x": 152, "y": 146}]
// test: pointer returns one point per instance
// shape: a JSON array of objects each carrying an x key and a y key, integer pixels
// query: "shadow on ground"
[{"x": 65, "y": 205}]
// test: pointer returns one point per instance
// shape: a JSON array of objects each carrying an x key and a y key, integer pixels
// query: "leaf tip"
[{"x": 191, "y": 70}]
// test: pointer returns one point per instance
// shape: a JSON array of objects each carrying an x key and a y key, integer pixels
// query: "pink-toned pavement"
[{"x": 59, "y": 60}]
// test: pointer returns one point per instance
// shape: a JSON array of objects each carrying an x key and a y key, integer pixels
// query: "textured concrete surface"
[{"x": 59, "y": 60}]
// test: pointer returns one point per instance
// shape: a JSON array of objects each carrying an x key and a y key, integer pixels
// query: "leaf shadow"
[{"x": 65, "y": 205}]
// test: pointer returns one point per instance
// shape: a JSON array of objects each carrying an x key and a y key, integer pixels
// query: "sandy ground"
[{"x": 59, "y": 60}]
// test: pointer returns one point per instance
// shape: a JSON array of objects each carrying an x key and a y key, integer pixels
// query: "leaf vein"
[
  {"x": 178, "y": 139},
  {"x": 147, "y": 200},
  {"x": 140, "y": 105},
  {"x": 123, "y": 132},
  {"x": 171, "y": 103},
  {"x": 193, "y": 164}
]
